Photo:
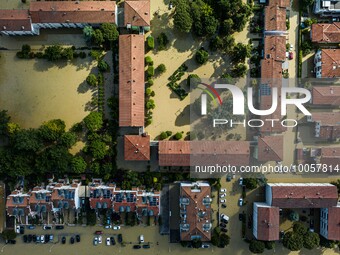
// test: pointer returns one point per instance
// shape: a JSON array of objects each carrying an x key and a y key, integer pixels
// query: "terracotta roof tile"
[
  {"x": 275, "y": 47},
  {"x": 330, "y": 63},
  {"x": 303, "y": 195},
  {"x": 197, "y": 214},
  {"x": 271, "y": 68},
  {"x": 326, "y": 118},
  {"x": 268, "y": 222},
  {"x": 334, "y": 223},
  {"x": 137, "y": 13},
  {"x": 281, "y": 3},
  {"x": 136, "y": 147},
  {"x": 131, "y": 80},
  {"x": 326, "y": 33},
  {"x": 15, "y": 20},
  {"x": 270, "y": 148},
  {"x": 330, "y": 156},
  {"x": 93, "y": 12},
  {"x": 326, "y": 95},
  {"x": 275, "y": 18}
]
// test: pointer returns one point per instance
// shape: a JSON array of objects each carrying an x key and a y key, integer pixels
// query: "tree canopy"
[
  {"x": 256, "y": 246},
  {"x": 182, "y": 18},
  {"x": 94, "y": 121}
]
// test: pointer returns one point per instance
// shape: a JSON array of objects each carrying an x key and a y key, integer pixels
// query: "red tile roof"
[
  {"x": 131, "y": 80},
  {"x": 275, "y": 18},
  {"x": 330, "y": 132},
  {"x": 270, "y": 148},
  {"x": 137, "y": 13},
  {"x": 327, "y": 118},
  {"x": 186, "y": 153},
  {"x": 326, "y": 95},
  {"x": 281, "y": 3},
  {"x": 303, "y": 195},
  {"x": 275, "y": 47},
  {"x": 17, "y": 201},
  {"x": 136, "y": 147},
  {"x": 15, "y": 20},
  {"x": 330, "y": 63},
  {"x": 268, "y": 222},
  {"x": 93, "y": 12},
  {"x": 197, "y": 214},
  {"x": 326, "y": 33},
  {"x": 271, "y": 68},
  {"x": 334, "y": 223},
  {"x": 330, "y": 156}
]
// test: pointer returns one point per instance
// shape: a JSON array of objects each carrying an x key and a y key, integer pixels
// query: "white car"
[
  {"x": 99, "y": 239},
  {"x": 240, "y": 181},
  {"x": 108, "y": 241},
  {"x": 223, "y": 190},
  {"x": 240, "y": 202},
  {"x": 205, "y": 246},
  {"x": 224, "y": 217},
  {"x": 17, "y": 230},
  {"x": 141, "y": 238},
  {"x": 291, "y": 47},
  {"x": 95, "y": 241},
  {"x": 108, "y": 226},
  {"x": 116, "y": 227},
  {"x": 42, "y": 238},
  {"x": 223, "y": 195},
  {"x": 222, "y": 201}
]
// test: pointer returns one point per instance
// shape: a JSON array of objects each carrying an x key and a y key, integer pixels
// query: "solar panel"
[{"x": 265, "y": 90}]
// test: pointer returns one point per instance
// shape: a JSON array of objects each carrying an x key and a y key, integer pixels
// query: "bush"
[
  {"x": 148, "y": 61},
  {"x": 150, "y": 42},
  {"x": 150, "y": 104},
  {"x": 169, "y": 133},
  {"x": 150, "y": 71},
  {"x": 26, "y": 48},
  {"x": 92, "y": 80},
  {"x": 161, "y": 68},
  {"x": 103, "y": 66},
  {"x": 202, "y": 56},
  {"x": 178, "y": 136},
  {"x": 149, "y": 82},
  {"x": 163, "y": 136},
  {"x": 54, "y": 52},
  {"x": 148, "y": 91},
  {"x": 82, "y": 54},
  {"x": 148, "y": 122},
  {"x": 256, "y": 246},
  {"x": 193, "y": 79},
  {"x": 162, "y": 41}
]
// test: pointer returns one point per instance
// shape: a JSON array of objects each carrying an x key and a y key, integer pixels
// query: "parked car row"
[
  {"x": 98, "y": 239},
  {"x": 48, "y": 238}
]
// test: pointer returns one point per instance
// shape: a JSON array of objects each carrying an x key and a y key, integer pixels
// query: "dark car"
[
  {"x": 113, "y": 241},
  {"x": 29, "y": 238},
  {"x": 34, "y": 238},
  {"x": 136, "y": 246},
  {"x": 59, "y": 227},
  {"x": 224, "y": 221},
  {"x": 224, "y": 205},
  {"x": 228, "y": 178},
  {"x": 31, "y": 227},
  {"x": 22, "y": 230},
  {"x": 146, "y": 246},
  {"x": 223, "y": 225},
  {"x": 78, "y": 238},
  {"x": 224, "y": 230},
  {"x": 25, "y": 238},
  {"x": 11, "y": 241},
  {"x": 63, "y": 240},
  {"x": 47, "y": 238},
  {"x": 98, "y": 232},
  {"x": 240, "y": 216},
  {"x": 72, "y": 240},
  {"x": 120, "y": 238}
]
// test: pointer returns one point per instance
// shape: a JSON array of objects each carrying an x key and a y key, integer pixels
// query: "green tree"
[
  {"x": 228, "y": 44},
  {"x": 97, "y": 37},
  {"x": 53, "y": 53},
  {"x": 202, "y": 56},
  {"x": 150, "y": 104},
  {"x": 239, "y": 70},
  {"x": 196, "y": 243},
  {"x": 103, "y": 66},
  {"x": 250, "y": 183},
  {"x": 161, "y": 68},
  {"x": 27, "y": 140},
  {"x": 256, "y": 246},
  {"x": 299, "y": 228},
  {"x": 97, "y": 149},
  {"x": 311, "y": 240},
  {"x": 178, "y": 136},
  {"x": 216, "y": 43},
  {"x": 150, "y": 42},
  {"x": 88, "y": 32},
  {"x": 293, "y": 241},
  {"x": 240, "y": 53},
  {"x": 68, "y": 139},
  {"x": 12, "y": 128},
  {"x": 163, "y": 136},
  {"x": 204, "y": 22},
  {"x": 52, "y": 130},
  {"x": 109, "y": 31},
  {"x": 224, "y": 240},
  {"x": 67, "y": 53},
  {"x": 162, "y": 41},
  {"x": 182, "y": 17},
  {"x": 94, "y": 121},
  {"x": 4, "y": 120},
  {"x": 92, "y": 80},
  {"x": 227, "y": 27},
  {"x": 8, "y": 234},
  {"x": 78, "y": 165}
]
